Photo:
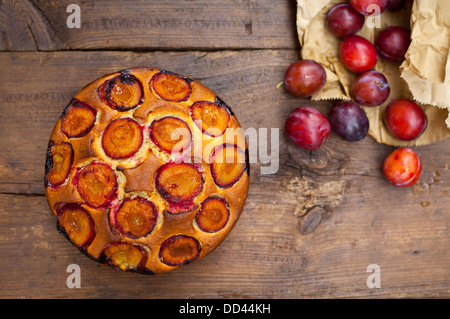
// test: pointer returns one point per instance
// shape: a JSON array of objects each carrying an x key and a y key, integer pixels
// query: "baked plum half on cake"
[{"x": 146, "y": 170}]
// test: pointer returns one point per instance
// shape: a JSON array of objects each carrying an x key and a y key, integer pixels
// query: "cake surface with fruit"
[{"x": 146, "y": 170}]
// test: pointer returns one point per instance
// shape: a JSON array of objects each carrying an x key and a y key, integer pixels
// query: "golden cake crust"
[{"x": 135, "y": 175}]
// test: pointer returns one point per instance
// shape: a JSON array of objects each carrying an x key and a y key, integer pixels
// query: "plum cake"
[{"x": 146, "y": 170}]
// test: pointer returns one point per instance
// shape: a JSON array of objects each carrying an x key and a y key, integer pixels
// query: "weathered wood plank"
[
  {"x": 24, "y": 27},
  {"x": 113, "y": 24},
  {"x": 310, "y": 230},
  {"x": 265, "y": 256}
]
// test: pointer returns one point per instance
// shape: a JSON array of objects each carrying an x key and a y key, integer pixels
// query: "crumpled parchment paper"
[{"x": 424, "y": 76}]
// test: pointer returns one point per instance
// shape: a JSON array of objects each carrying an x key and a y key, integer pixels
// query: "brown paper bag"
[{"x": 422, "y": 77}]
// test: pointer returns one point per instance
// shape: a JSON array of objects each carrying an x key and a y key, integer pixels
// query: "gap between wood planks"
[{"x": 22, "y": 194}]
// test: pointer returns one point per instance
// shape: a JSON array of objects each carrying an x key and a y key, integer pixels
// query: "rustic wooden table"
[{"x": 308, "y": 231}]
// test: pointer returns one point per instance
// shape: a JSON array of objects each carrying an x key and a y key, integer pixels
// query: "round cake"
[{"x": 146, "y": 170}]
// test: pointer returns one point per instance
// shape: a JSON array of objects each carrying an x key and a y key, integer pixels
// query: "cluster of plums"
[{"x": 404, "y": 119}]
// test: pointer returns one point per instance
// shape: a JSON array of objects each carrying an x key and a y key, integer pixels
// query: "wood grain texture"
[
  {"x": 24, "y": 27},
  {"x": 27, "y": 25},
  {"x": 310, "y": 230}
]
